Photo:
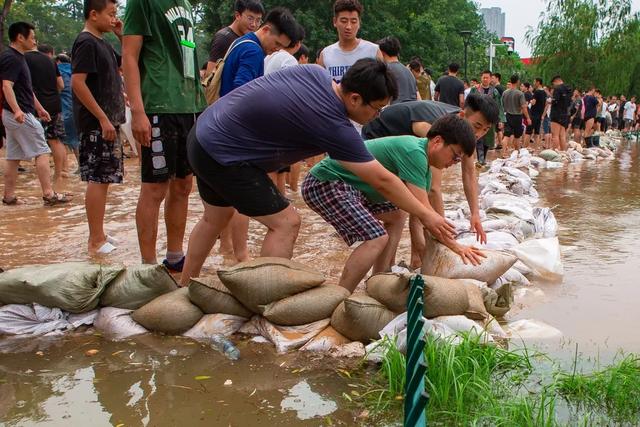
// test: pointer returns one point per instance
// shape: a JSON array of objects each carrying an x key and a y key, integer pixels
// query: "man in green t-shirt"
[
  {"x": 361, "y": 214},
  {"x": 163, "y": 85}
]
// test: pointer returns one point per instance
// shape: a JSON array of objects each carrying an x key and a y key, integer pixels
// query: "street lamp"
[
  {"x": 492, "y": 52},
  {"x": 466, "y": 35}
]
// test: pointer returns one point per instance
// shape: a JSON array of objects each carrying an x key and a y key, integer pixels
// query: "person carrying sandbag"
[{"x": 359, "y": 213}]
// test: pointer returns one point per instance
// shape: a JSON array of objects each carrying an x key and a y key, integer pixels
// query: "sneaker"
[{"x": 177, "y": 267}]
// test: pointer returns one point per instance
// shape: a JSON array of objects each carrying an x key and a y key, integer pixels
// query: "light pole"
[
  {"x": 466, "y": 35},
  {"x": 492, "y": 53}
]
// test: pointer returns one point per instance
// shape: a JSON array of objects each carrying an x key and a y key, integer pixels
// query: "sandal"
[
  {"x": 10, "y": 202},
  {"x": 55, "y": 199}
]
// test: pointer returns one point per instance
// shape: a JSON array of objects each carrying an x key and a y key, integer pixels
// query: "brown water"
[{"x": 142, "y": 382}]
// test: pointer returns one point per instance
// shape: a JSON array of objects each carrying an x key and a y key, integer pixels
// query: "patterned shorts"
[
  {"x": 101, "y": 161},
  {"x": 54, "y": 129},
  {"x": 346, "y": 209}
]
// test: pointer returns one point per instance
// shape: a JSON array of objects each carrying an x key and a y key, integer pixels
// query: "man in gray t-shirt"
[
  {"x": 515, "y": 107},
  {"x": 407, "y": 85}
]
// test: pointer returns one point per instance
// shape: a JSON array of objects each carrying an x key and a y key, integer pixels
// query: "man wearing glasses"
[
  {"x": 248, "y": 17},
  {"x": 359, "y": 213}
]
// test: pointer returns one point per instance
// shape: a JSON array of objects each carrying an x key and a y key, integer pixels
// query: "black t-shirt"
[
  {"x": 500, "y": 89},
  {"x": 541, "y": 99},
  {"x": 13, "y": 67},
  {"x": 221, "y": 42},
  {"x": 450, "y": 89},
  {"x": 96, "y": 58},
  {"x": 561, "y": 101},
  {"x": 44, "y": 75},
  {"x": 397, "y": 118},
  {"x": 528, "y": 96},
  {"x": 590, "y": 106}
]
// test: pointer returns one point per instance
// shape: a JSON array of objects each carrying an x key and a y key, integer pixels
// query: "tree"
[{"x": 5, "y": 12}]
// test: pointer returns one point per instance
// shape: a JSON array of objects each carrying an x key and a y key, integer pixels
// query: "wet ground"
[{"x": 143, "y": 382}]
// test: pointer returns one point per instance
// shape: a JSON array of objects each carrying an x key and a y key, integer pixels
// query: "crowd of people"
[{"x": 376, "y": 133}]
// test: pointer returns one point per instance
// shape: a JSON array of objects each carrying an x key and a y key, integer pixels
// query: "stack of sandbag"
[
  {"x": 172, "y": 313},
  {"x": 138, "y": 285},
  {"x": 73, "y": 287}
]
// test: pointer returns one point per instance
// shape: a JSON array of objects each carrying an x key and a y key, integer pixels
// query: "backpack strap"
[{"x": 234, "y": 45}]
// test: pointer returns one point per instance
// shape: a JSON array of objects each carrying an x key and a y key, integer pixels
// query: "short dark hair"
[
  {"x": 497, "y": 76},
  {"x": 415, "y": 65},
  {"x": 347, "y": 6},
  {"x": 454, "y": 67},
  {"x": 45, "y": 48},
  {"x": 454, "y": 130},
  {"x": 303, "y": 51},
  {"x": 63, "y": 58},
  {"x": 300, "y": 34},
  {"x": 527, "y": 85},
  {"x": 485, "y": 105},
  {"x": 254, "y": 6},
  {"x": 20, "y": 29},
  {"x": 371, "y": 79},
  {"x": 556, "y": 77},
  {"x": 514, "y": 79},
  {"x": 474, "y": 80},
  {"x": 97, "y": 5},
  {"x": 538, "y": 80},
  {"x": 390, "y": 45},
  {"x": 485, "y": 72},
  {"x": 284, "y": 22}
]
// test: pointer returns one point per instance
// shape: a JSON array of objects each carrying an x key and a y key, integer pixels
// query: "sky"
[{"x": 522, "y": 14}]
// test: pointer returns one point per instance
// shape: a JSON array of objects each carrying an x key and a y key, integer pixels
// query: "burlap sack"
[
  {"x": 550, "y": 156},
  {"x": 215, "y": 324},
  {"x": 498, "y": 303},
  {"x": 325, "y": 341},
  {"x": 391, "y": 289},
  {"x": 212, "y": 297},
  {"x": 70, "y": 286},
  {"x": 264, "y": 280},
  {"x": 306, "y": 307},
  {"x": 138, "y": 285},
  {"x": 287, "y": 338},
  {"x": 361, "y": 318},
  {"x": 441, "y": 261},
  {"x": 171, "y": 313},
  {"x": 476, "y": 310},
  {"x": 444, "y": 297}
]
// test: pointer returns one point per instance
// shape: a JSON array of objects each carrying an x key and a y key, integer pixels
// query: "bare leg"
[
  {"x": 95, "y": 203},
  {"x": 282, "y": 233},
  {"x": 394, "y": 224},
  {"x": 360, "y": 262},
  {"x": 202, "y": 239},
  {"x": 418, "y": 242},
  {"x": 10, "y": 178},
  {"x": 59, "y": 152},
  {"x": 44, "y": 174},
  {"x": 239, "y": 227},
  {"x": 147, "y": 216},
  {"x": 294, "y": 176},
  {"x": 176, "y": 206}
]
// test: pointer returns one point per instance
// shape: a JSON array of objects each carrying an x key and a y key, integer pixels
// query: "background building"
[{"x": 494, "y": 19}]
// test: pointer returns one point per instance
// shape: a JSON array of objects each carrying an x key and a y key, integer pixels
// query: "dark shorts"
[
  {"x": 561, "y": 120},
  {"x": 536, "y": 124},
  {"x": 514, "y": 126},
  {"x": 166, "y": 158},
  {"x": 345, "y": 208},
  {"x": 243, "y": 186},
  {"x": 101, "y": 161},
  {"x": 54, "y": 129},
  {"x": 577, "y": 123}
]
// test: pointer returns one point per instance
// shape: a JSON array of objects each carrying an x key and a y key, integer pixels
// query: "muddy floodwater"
[{"x": 165, "y": 381}]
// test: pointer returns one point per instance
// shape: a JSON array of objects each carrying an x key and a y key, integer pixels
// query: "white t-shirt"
[
  {"x": 629, "y": 110},
  {"x": 277, "y": 61},
  {"x": 467, "y": 92},
  {"x": 338, "y": 61}
]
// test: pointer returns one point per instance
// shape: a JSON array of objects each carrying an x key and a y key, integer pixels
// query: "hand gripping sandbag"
[
  {"x": 361, "y": 318},
  {"x": 70, "y": 286},
  {"x": 306, "y": 307},
  {"x": 213, "y": 297},
  {"x": 138, "y": 285},
  {"x": 441, "y": 261},
  {"x": 171, "y": 313},
  {"x": 264, "y": 280}
]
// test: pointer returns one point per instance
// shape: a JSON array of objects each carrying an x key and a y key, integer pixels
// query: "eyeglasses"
[
  {"x": 253, "y": 20},
  {"x": 378, "y": 110},
  {"x": 456, "y": 157}
]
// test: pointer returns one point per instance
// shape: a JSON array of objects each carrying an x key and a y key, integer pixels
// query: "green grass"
[{"x": 474, "y": 384}]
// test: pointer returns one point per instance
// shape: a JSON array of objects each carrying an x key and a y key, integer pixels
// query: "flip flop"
[
  {"x": 56, "y": 199},
  {"x": 10, "y": 202},
  {"x": 111, "y": 240},
  {"x": 105, "y": 249}
]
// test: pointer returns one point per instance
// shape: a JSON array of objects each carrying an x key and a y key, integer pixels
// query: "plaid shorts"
[{"x": 346, "y": 208}]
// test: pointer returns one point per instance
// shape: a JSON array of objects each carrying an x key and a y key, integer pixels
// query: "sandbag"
[
  {"x": 550, "y": 156},
  {"x": 117, "y": 324},
  {"x": 543, "y": 257},
  {"x": 443, "y": 262},
  {"x": 34, "y": 319},
  {"x": 212, "y": 297},
  {"x": 138, "y": 285},
  {"x": 391, "y": 289},
  {"x": 361, "y": 318},
  {"x": 444, "y": 297},
  {"x": 261, "y": 281},
  {"x": 512, "y": 276},
  {"x": 306, "y": 307},
  {"x": 215, "y": 324},
  {"x": 71, "y": 286},
  {"x": 325, "y": 341},
  {"x": 498, "y": 301},
  {"x": 287, "y": 338},
  {"x": 476, "y": 310},
  {"x": 171, "y": 313}
]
